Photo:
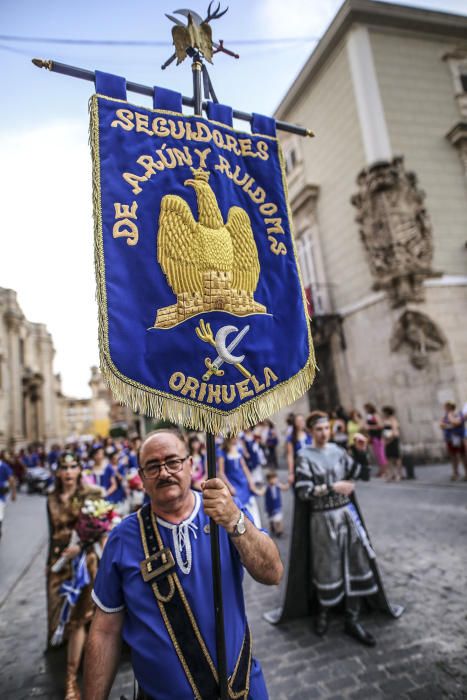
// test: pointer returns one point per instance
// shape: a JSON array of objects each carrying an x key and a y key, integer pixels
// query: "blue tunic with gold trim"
[{"x": 120, "y": 586}]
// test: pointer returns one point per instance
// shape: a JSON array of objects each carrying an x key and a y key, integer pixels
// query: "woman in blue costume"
[
  {"x": 120, "y": 496},
  {"x": 247, "y": 439},
  {"x": 296, "y": 439},
  {"x": 234, "y": 471},
  {"x": 101, "y": 474}
]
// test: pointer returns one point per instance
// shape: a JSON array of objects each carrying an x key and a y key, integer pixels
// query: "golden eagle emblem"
[
  {"x": 195, "y": 35},
  {"x": 209, "y": 264}
]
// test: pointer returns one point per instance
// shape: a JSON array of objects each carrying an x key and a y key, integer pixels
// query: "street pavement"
[
  {"x": 419, "y": 531},
  {"x": 25, "y": 536}
]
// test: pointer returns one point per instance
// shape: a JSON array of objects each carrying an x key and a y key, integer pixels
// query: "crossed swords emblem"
[{"x": 224, "y": 351}]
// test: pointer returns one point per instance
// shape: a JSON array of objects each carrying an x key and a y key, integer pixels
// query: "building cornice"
[
  {"x": 377, "y": 297},
  {"x": 14, "y": 319},
  {"x": 373, "y": 14},
  {"x": 308, "y": 192},
  {"x": 457, "y": 134}
]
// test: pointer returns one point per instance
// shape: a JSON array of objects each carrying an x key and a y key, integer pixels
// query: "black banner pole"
[
  {"x": 216, "y": 580},
  {"x": 212, "y": 473},
  {"x": 83, "y": 74}
]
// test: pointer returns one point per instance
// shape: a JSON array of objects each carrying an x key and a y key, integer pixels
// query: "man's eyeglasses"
[{"x": 173, "y": 466}]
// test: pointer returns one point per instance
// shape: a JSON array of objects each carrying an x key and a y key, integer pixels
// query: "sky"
[{"x": 45, "y": 174}]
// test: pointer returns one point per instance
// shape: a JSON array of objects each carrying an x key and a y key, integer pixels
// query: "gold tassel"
[{"x": 203, "y": 418}]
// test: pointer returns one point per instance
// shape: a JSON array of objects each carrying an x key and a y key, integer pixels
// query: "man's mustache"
[{"x": 166, "y": 482}]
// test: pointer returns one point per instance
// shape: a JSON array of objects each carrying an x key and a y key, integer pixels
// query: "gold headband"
[{"x": 318, "y": 421}]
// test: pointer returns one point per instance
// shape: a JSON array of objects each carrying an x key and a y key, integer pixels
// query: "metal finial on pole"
[
  {"x": 196, "y": 35},
  {"x": 43, "y": 63}
]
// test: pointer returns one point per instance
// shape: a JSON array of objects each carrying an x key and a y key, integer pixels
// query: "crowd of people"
[
  {"x": 356, "y": 433},
  {"x": 110, "y": 466},
  {"x": 92, "y": 486},
  {"x": 248, "y": 463}
]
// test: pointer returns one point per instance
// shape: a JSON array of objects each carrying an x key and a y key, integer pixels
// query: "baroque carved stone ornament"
[
  {"x": 395, "y": 230},
  {"x": 419, "y": 334}
]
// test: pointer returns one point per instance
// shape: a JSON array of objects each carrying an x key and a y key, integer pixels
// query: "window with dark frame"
[{"x": 290, "y": 160}]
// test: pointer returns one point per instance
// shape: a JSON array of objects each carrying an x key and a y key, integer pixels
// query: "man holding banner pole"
[
  {"x": 154, "y": 589},
  {"x": 202, "y": 314}
]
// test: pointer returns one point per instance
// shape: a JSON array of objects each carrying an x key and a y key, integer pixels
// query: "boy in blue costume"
[{"x": 273, "y": 503}]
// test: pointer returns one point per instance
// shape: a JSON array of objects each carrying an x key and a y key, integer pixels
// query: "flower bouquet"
[{"x": 96, "y": 518}]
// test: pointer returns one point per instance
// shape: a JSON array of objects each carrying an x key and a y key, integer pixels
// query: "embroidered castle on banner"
[{"x": 210, "y": 265}]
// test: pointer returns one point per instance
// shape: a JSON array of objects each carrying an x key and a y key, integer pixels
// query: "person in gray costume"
[{"x": 331, "y": 560}]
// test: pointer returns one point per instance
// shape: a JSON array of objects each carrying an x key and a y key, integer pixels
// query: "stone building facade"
[
  {"x": 32, "y": 406},
  {"x": 30, "y": 393},
  {"x": 77, "y": 417},
  {"x": 379, "y": 200},
  {"x": 99, "y": 414},
  {"x": 109, "y": 415}
]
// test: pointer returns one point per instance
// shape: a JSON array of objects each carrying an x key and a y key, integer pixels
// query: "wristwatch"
[{"x": 240, "y": 527}]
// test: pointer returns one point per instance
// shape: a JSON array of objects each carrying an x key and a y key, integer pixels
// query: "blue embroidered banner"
[{"x": 202, "y": 315}]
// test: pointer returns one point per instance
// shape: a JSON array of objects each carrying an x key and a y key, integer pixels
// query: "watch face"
[{"x": 241, "y": 527}]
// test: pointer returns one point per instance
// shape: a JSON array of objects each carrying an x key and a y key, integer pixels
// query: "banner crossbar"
[{"x": 84, "y": 74}]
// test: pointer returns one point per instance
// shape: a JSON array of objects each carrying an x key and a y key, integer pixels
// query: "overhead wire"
[
  {"x": 12, "y": 49},
  {"x": 144, "y": 42}
]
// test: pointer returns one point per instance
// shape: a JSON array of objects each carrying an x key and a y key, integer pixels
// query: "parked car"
[{"x": 38, "y": 480}]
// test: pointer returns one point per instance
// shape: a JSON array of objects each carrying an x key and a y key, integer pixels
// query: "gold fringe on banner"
[{"x": 158, "y": 404}]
